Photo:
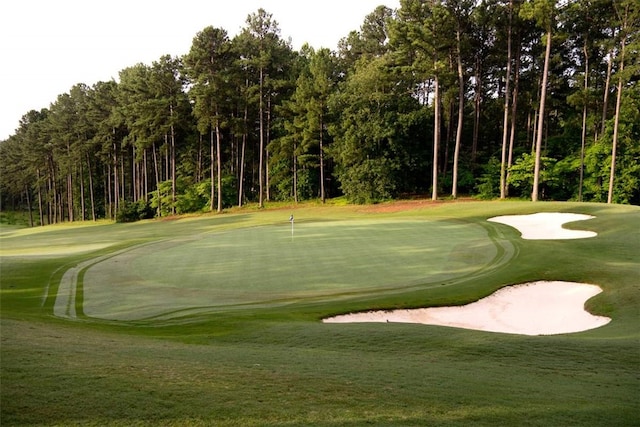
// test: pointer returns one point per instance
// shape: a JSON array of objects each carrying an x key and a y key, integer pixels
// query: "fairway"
[
  {"x": 271, "y": 265},
  {"x": 218, "y": 319}
]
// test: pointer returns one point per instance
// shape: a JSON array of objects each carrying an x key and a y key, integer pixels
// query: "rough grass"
[{"x": 278, "y": 365}]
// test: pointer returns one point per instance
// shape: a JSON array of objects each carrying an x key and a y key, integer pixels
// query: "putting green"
[{"x": 271, "y": 265}]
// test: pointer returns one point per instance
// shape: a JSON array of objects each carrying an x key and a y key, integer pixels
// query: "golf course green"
[
  {"x": 217, "y": 319},
  {"x": 270, "y": 265}
]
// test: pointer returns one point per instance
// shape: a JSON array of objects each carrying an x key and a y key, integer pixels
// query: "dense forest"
[{"x": 535, "y": 99}]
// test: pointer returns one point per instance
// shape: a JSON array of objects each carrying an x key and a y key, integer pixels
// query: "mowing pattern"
[{"x": 269, "y": 265}]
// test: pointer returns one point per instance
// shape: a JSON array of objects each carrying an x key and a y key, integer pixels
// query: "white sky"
[{"x": 47, "y": 46}]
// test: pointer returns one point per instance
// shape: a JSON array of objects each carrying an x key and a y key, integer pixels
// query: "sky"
[{"x": 47, "y": 46}]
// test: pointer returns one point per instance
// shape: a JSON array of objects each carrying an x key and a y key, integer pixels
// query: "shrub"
[
  {"x": 133, "y": 211},
  {"x": 488, "y": 186}
]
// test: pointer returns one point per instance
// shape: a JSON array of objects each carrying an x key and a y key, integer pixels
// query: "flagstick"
[{"x": 291, "y": 220}]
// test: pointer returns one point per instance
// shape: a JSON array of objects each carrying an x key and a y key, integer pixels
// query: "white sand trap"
[
  {"x": 538, "y": 308},
  {"x": 545, "y": 225}
]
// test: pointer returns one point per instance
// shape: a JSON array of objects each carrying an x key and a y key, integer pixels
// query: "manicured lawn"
[
  {"x": 215, "y": 320},
  {"x": 268, "y": 265}
]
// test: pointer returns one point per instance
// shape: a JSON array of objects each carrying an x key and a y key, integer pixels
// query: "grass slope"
[{"x": 276, "y": 364}]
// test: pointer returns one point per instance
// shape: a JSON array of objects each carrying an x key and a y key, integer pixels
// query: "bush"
[
  {"x": 488, "y": 186},
  {"x": 370, "y": 181},
  {"x": 193, "y": 198},
  {"x": 133, "y": 211}
]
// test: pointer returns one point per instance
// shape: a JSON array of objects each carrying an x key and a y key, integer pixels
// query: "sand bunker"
[
  {"x": 538, "y": 308},
  {"x": 545, "y": 225}
]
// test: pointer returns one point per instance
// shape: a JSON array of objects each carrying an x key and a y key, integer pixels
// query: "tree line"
[{"x": 495, "y": 98}]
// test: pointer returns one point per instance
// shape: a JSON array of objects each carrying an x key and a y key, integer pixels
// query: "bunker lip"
[{"x": 536, "y": 308}]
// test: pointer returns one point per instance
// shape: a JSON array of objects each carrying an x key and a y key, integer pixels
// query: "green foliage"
[
  {"x": 488, "y": 186},
  {"x": 369, "y": 181},
  {"x": 229, "y": 193},
  {"x": 161, "y": 200},
  {"x": 189, "y": 197},
  {"x": 543, "y": 12},
  {"x": 598, "y": 156},
  {"x": 521, "y": 175},
  {"x": 134, "y": 211},
  {"x": 566, "y": 182},
  {"x": 15, "y": 218},
  {"x": 373, "y": 137},
  {"x": 597, "y": 167},
  {"x": 193, "y": 198}
]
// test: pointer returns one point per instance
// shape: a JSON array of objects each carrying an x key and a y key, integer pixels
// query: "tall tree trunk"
[
  {"x": 213, "y": 171},
  {"x": 40, "y": 211},
  {"x": 447, "y": 137},
  {"x": 173, "y": 163},
  {"x": 70, "y": 197},
  {"x": 543, "y": 97},
  {"x": 145, "y": 176},
  {"x": 219, "y": 167},
  {"x": 108, "y": 199},
  {"x": 267, "y": 141},
  {"x": 82, "y": 202},
  {"x": 477, "y": 105},
  {"x": 51, "y": 205},
  {"x": 156, "y": 170},
  {"x": 605, "y": 100},
  {"x": 436, "y": 137},
  {"x": 266, "y": 175},
  {"x": 199, "y": 162},
  {"x": 123, "y": 182},
  {"x": 295, "y": 173},
  {"x": 616, "y": 119},
  {"x": 505, "y": 119},
  {"x": 322, "y": 193},
  {"x": 91, "y": 190},
  {"x": 53, "y": 210},
  {"x": 116, "y": 182},
  {"x": 69, "y": 186},
  {"x": 135, "y": 185},
  {"x": 534, "y": 130},
  {"x": 514, "y": 110},
  {"x": 456, "y": 154},
  {"x": 614, "y": 147},
  {"x": 57, "y": 202},
  {"x": 584, "y": 118},
  {"x": 529, "y": 127},
  {"x": 261, "y": 154},
  {"x": 166, "y": 161},
  {"x": 241, "y": 175},
  {"x": 26, "y": 193},
  {"x": 242, "y": 159}
]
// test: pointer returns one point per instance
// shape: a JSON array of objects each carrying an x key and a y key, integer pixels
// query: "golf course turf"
[{"x": 216, "y": 319}]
